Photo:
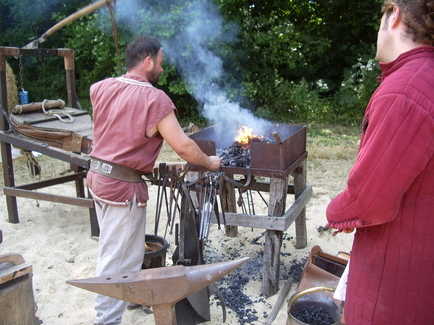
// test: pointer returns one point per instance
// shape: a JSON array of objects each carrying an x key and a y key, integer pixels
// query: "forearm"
[
  {"x": 191, "y": 153},
  {"x": 185, "y": 147}
]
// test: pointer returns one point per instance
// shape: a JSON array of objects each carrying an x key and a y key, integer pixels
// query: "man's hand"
[{"x": 214, "y": 163}]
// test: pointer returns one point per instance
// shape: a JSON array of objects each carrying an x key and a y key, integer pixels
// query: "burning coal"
[
  {"x": 238, "y": 154},
  {"x": 246, "y": 136},
  {"x": 234, "y": 156}
]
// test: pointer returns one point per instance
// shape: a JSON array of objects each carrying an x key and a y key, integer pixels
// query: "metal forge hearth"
[{"x": 274, "y": 160}]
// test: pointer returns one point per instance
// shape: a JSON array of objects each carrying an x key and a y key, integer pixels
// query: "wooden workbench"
[{"x": 79, "y": 162}]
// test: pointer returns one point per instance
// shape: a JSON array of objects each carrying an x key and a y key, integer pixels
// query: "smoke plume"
[{"x": 189, "y": 32}]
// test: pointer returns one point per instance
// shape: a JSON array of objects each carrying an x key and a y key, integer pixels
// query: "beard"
[{"x": 153, "y": 77}]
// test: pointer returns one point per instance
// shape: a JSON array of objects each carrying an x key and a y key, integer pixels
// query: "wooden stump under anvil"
[{"x": 17, "y": 304}]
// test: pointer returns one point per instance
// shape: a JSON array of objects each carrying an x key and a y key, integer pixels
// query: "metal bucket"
[
  {"x": 155, "y": 252},
  {"x": 313, "y": 296},
  {"x": 24, "y": 97}
]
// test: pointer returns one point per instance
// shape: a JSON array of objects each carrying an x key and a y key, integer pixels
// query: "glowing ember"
[{"x": 245, "y": 136}]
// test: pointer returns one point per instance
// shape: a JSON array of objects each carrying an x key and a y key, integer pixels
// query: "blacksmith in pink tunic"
[
  {"x": 389, "y": 197},
  {"x": 131, "y": 119}
]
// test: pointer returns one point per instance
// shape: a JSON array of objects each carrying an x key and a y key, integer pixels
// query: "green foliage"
[
  {"x": 24, "y": 21},
  {"x": 299, "y": 54},
  {"x": 305, "y": 102},
  {"x": 294, "y": 60},
  {"x": 357, "y": 87},
  {"x": 95, "y": 53}
]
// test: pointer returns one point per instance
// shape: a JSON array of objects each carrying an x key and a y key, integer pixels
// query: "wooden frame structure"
[
  {"x": 278, "y": 219},
  {"x": 79, "y": 163}
]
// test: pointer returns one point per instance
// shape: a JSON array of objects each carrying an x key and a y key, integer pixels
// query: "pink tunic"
[
  {"x": 390, "y": 200},
  {"x": 124, "y": 110}
]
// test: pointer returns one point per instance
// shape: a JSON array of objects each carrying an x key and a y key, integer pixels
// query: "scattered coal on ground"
[{"x": 233, "y": 285}]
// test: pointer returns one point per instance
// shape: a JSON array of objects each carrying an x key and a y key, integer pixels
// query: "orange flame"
[{"x": 245, "y": 136}]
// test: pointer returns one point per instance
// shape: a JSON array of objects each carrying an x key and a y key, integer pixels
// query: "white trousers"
[
  {"x": 121, "y": 249},
  {"x": 341, "y": 288}
]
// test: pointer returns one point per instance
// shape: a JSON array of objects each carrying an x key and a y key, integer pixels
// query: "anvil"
[{"x": 161, "y": 288}]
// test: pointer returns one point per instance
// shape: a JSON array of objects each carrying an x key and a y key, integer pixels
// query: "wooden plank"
[
  {"x": 264, "y": 186},
  {"x": 270, "y": 222},
  {"x": 81, "y": 202},
  {"x": 50, "y": 118},
  {"x": 43, "y": 148},
  {"x": 81, "y": 125},
  {"x": 52, "y": 182},
  {"x": 9, "y": 271},
  {"x": 279, "y": 302},
  {"x": 299, "y": 205}
]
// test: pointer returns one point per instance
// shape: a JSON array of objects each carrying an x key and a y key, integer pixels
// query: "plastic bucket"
[
  {"x": 313, "y": 297},
  {"x": 155, "y": 252}
]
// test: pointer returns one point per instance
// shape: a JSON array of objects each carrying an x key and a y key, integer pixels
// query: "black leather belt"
[{"x": 115, "y": 171}]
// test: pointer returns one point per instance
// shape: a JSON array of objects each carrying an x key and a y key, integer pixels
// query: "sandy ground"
[{"x": 56, "y": 240}]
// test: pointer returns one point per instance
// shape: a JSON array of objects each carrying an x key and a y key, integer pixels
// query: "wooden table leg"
[
  {"x": 9, "y": 181},
  {"x": 300, "y": 222},
  {"x": 273, "y": 239},
  {"x": 229, "y": 205}
]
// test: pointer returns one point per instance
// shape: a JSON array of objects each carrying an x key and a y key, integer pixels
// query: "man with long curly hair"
[{"x": 389, "y": 198}]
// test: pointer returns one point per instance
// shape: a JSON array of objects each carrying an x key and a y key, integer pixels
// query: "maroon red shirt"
[
  {"x": 389, "y": 198},
  {"x": 124, "y": 110}
]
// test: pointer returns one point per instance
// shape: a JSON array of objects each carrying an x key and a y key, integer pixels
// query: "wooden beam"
[
  {"x": 45, "y": 149},
  {"x": 270, "y": 222},
  {"x": 300, "y": 223},
  {"x": 83, "y": 202}
]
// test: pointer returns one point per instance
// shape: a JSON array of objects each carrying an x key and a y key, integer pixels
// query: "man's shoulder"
[{"x": 103, "y": 82}]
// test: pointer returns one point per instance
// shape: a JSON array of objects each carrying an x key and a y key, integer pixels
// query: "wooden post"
[
  {"x": 300, "y": 222},
  {"x": 70, "y": 77},
  {"x": 273, "y": 239},
  {"x": 229, "y": 205},
  {"x": 6, "y": 150}
]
